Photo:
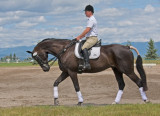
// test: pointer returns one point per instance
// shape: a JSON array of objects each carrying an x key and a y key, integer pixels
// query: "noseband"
[
  {"x": 55, "y": 57},
  {"x": 36, "y": 56}
]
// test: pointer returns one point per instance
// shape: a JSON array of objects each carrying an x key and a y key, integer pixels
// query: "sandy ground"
[{"x": 28, "y": 86}]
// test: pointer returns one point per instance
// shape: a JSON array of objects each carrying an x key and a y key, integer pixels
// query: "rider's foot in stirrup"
[{"x": 87, "y": 66}]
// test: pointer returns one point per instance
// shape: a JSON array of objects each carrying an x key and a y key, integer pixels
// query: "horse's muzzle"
[{"x": 45, "y": 67}]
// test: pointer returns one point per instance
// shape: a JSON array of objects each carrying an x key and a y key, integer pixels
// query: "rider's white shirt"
[{"x": 92, "y": 23}]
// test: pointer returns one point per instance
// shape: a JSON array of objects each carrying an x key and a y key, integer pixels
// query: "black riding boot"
[{"x": 86, "y": 59}]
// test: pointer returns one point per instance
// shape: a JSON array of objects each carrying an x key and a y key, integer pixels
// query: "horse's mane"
[{"x": 54, "y": 39}]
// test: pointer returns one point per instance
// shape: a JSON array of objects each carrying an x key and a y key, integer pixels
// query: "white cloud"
[
  {"x": 41, "y": 19},
  {"x": 25, "y": 24},
  {"x": 149, "y": 8},
  {"x": 1, "y": 28},
  {"x": 125, "y": 23},
  {"x": 104, "y": 31},
  {"x": 110, "y": 12}
]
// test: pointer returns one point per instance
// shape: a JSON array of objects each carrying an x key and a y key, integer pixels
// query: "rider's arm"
[{"x": 83, "y": 33}]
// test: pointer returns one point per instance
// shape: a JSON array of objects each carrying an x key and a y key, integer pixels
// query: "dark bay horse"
[{"x": 118, "y": 57}]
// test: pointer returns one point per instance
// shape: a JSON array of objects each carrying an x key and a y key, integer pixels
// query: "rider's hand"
[{"x": 78, "y": 38}]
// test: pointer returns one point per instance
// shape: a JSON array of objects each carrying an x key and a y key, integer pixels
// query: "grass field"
[
  {"x": 151, "y": 61},
  {"x": 15, "y": 64},
  {"x": 108, "y": 110},
  {"x": 20, "y": 64}
]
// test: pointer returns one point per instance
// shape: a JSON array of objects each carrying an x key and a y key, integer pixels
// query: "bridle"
[{"x": 39, "y": 59}]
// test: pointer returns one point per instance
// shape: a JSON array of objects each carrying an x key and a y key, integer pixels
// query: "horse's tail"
[{"x": 140, "y": 69}]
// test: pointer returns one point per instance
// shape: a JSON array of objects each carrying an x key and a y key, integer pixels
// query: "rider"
[{"x": 90, "y": 33}]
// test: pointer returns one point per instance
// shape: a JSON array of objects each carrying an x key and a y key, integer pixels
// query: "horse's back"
[
  {"x": 116, "y": 49},
  {"x": 114, "y": 46}
]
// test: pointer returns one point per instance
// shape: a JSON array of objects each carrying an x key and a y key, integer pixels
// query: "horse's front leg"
[
  {"x": 74, "y": 78},
  {"x": 62, "y": 77}
]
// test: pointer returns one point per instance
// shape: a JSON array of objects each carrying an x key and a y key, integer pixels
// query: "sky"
[{"x": 26, "y": 22}]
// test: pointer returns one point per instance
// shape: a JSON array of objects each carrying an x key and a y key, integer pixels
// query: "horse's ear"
[{"x": 29, "y": 52}]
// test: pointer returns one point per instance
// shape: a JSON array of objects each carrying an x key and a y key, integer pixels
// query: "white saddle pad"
[{"x": 95, "y": 52}]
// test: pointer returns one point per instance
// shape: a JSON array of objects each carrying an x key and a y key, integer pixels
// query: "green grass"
[
  {"x": 21, "y": 64},
  {"x": 151, "y": 61},
  {"x": 15, "y": 64},
  {"x": 108, "y": 110}
]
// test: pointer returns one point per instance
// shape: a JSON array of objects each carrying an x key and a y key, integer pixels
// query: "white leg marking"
[
  {"x": 55, "y": 91},
  {"x": 119, "y": 95},
  {"x": 143, "y": 94},
  {"x": 80, "y": 98}
]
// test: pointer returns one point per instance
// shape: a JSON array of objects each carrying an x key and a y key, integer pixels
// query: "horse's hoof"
[
  {"x": 56, "y": 102},
  {"x": 147, "y": 101},
  {"x": 114, "y": 103},
  {"x": 79, "y": 104}
]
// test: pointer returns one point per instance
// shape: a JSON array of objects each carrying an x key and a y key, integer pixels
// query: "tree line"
[{"x": 11, "y": 58}]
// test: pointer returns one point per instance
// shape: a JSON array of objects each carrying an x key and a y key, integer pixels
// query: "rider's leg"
[
  {"x": 86, "y": 59},
  {"x": 91, "y": 41}
]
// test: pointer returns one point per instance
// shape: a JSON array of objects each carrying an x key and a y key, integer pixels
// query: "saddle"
[{"x": 94, "y": 51}]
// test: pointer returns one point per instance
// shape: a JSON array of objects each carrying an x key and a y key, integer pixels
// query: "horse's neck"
[{"x": 54, "y": 47}]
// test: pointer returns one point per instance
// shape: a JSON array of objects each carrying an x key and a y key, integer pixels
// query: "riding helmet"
[{"x": 89, "y": 8}]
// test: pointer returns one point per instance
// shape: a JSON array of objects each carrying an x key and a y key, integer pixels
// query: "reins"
[{"x": 61, "y": 52}]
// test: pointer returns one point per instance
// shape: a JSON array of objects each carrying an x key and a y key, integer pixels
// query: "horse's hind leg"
[
  {"x": 121, "y": 84},
  {"x": 62, "y": 77},
  {"x": 138, "y": 81}
]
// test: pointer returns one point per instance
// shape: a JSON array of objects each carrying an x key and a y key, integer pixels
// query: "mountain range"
[{"x": 21, "y": 51}]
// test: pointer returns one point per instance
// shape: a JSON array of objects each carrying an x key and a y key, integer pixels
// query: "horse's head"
[
  {"x": 41, "y": 56},
  {"x": 49, "y": 46}
]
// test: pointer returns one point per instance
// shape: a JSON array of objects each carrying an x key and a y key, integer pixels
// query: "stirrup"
[{"x": 85, "y": 67}]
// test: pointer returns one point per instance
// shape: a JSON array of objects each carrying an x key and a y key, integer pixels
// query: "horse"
[{"x": 118, "y": 57}]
